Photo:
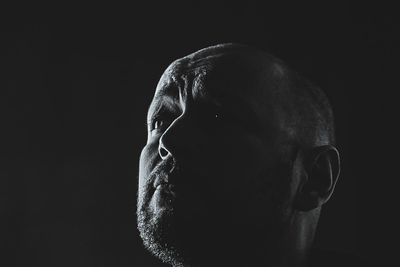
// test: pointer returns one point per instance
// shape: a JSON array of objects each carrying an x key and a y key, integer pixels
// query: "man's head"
[{"x": 238, "y": 161}]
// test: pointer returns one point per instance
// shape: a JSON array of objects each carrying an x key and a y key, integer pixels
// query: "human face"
[{"x": 210, "y": 166}]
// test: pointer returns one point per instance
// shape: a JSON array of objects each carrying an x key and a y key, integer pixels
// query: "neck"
[
  {"x": 298, "y": 240},
  {"x": 292, "y": 251},
  {"x": 293, "y": 255}
]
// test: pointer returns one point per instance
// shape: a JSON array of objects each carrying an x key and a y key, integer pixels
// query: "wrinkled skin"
[{"x": 218, "y": 142}]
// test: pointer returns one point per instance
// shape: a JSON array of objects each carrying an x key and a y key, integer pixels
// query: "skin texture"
[{"x": 244, "y": 157}]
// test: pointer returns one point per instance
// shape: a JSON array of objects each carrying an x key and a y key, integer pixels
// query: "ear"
[{"x": 322, "y": 168}]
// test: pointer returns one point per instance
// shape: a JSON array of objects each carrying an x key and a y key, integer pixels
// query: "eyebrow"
[
  {"x": 232, "y": 104},
  {"x": 161, "y": 101}
]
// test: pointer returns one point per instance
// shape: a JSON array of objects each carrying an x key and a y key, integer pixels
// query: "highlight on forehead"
[
  {"x": 229, "y": 68},
  {"x": 240, "y": 67},
  {"x": 170, "y": 84},
  {"x": 167, "y": 96},
  {"x": 235, "y": 62},
  {"x": 182, "y": 79}
]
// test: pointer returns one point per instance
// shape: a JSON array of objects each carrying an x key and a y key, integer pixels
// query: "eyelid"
[
  {"x": 152, "y": 120},
  {"x": 155, "y": 114},
  {"x": 163, "y": 115}
]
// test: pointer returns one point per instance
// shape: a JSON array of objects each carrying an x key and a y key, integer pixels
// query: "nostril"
[{"x": 163, "y": 152}]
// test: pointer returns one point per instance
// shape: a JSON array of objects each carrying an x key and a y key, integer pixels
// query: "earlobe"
[{"x": 322, "y": 168}]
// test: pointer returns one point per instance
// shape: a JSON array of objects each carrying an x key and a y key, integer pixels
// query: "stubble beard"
[
  {"x": 156, "y": 228},
  {"x": 167, "y": 236}
]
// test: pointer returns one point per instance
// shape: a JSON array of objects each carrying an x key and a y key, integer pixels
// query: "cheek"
[
  {"x": 147, "y": 161},
  {"x": 245, "y": 156},
  {"x": 253, "y": 171},
  {"x": 240, "y": 162}
]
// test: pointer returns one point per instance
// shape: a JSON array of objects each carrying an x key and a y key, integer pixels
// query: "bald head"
[
  {"x": 269, "y": 85},
  {"x": 234, "y": 136}
]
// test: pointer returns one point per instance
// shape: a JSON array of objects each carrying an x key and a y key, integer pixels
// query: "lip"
[
  {"x": 164, "y": 180},
  {"x": 164, "y": 193},
  {"x": 163, "y": 185},
  {"x": 158, "y": 182},
  {"x": 168, "y": 180}
]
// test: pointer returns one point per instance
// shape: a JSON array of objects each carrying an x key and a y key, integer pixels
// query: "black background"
[{"x": 75, "y": 85}]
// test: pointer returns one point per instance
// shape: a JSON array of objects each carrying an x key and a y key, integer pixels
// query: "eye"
[{"x": 157, "y": 123}]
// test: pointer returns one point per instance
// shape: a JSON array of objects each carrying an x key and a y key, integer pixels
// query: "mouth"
[
  {"x": 167, "y": 187},
  {"x": 158, "y": 182},
  {"x": 163, "y": 197},
  {"x": 161, "y": 183},
  {"x": 164, "y": 181}
]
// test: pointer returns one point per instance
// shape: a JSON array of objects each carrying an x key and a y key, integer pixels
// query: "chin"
[
  {"x": 169, "y": 234},
  {"x": 159, "y": 236}
]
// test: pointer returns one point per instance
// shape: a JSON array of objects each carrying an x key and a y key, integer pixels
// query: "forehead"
[
  {"x": 251, "y": 83},
  {"x": 219, "y": 75}
]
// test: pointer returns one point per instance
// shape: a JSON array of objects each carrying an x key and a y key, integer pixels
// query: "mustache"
[
  {"x": 165, "y": 170},
  {"x": 162, "y": 170}
]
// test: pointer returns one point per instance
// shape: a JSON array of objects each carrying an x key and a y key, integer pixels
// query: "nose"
[
  {"x": 163, "y": 151},
  {"x": 169, "y": 141},
  {"x": 184, "y": 138}
]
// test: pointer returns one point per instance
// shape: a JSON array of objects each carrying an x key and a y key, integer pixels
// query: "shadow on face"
[{"x": 215, "y": 174}]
